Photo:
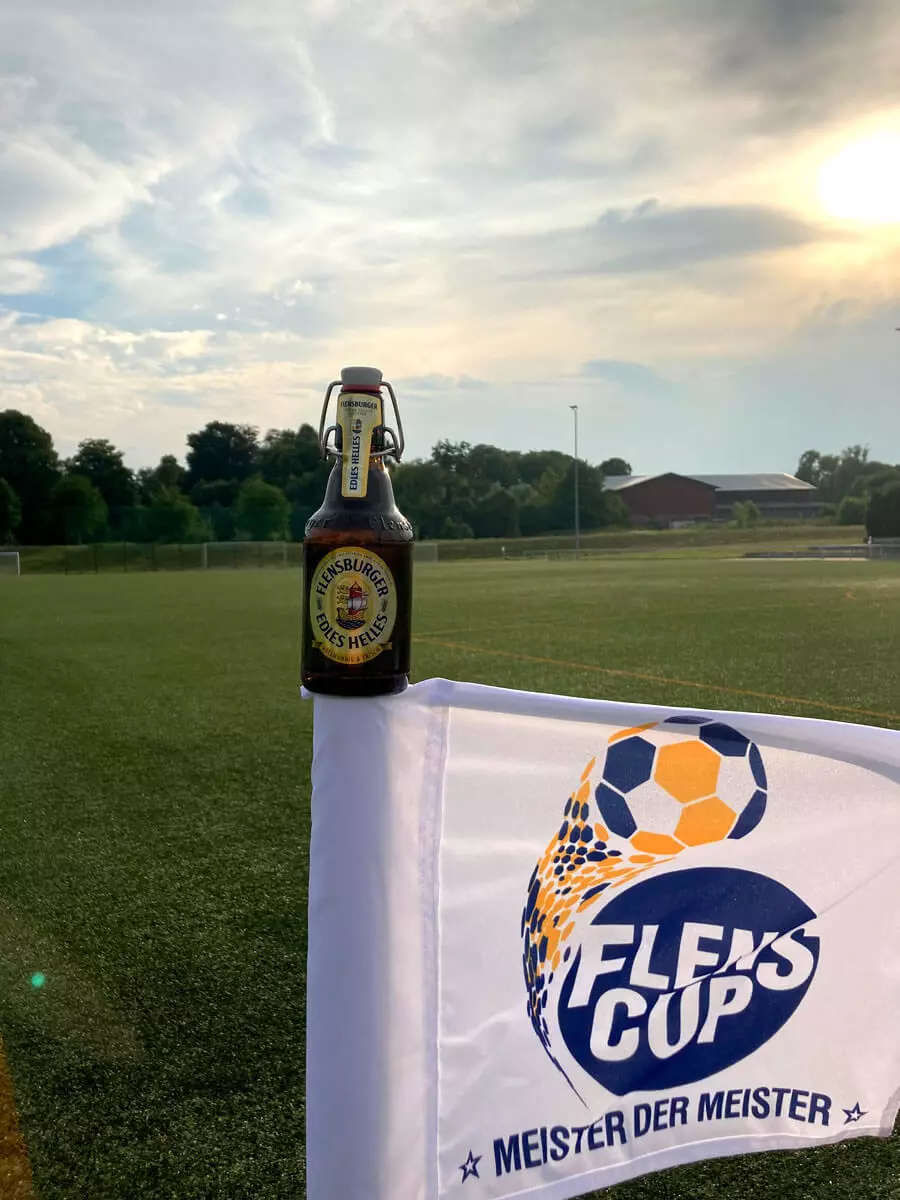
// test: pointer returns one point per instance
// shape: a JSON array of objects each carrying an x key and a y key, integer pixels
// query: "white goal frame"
[
  {"x": 227, "y": 551},
  {"x": 13, "y": 554},
  {"x": 425, "y": 552}
]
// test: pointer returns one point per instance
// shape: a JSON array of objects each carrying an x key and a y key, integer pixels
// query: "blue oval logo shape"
[{"x": 683, "y": 975}]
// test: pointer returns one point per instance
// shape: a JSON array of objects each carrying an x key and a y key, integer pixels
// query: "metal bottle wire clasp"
[{"x": 395, "y": 442}]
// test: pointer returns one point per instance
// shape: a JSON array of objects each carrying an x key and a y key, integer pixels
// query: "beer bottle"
[{"x": 357, "y": 552}]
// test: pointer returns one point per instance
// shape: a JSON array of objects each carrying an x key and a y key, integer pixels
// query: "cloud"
[
  {"x": 632, "y": 375},
  {"x": 441, "y": 383},
  {"x": 805, "y": 63},
  {"x": 209, "y": 217},
  {"x": 19, "y": 276},
  {"x": 650, "y": 238}
]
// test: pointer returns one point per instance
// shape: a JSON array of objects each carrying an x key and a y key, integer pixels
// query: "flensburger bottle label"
[
  {"x": 359, "y": 414},
  {"x": 353, "y": 605}
]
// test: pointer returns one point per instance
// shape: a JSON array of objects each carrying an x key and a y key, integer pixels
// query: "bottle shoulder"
[
  {"x": 327, "y": 523},
  {"x": 375, "y": 515}
]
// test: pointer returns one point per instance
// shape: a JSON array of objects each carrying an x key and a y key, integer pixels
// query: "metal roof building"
[
  {"x": 756, "y": 483},
  {"x": 671, "y": 497}
]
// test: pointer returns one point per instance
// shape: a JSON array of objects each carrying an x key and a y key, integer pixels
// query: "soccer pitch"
[{"x": 154, "y": 832}]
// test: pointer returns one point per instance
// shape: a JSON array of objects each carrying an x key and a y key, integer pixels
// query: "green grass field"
[{"x": 155, "y": 817}]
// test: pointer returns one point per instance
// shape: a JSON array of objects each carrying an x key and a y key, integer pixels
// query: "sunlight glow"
[{"x": 862, "y": 181}]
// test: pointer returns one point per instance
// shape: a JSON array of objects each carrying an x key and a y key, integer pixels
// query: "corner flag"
[{"x": 559, "y": 943}]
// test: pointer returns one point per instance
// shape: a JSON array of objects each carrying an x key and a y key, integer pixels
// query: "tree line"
[
  {"x": 238, "y": 484},
  {"x": 856, "y": 489}
]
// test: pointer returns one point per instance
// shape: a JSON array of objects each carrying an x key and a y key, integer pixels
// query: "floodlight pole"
[{"x": 574, "y": 408}]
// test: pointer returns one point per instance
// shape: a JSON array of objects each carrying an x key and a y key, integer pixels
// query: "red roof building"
[{"x": 670, "y": 498}]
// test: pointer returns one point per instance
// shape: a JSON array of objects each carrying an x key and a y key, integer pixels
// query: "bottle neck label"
[{"x": 359, "y": 415}]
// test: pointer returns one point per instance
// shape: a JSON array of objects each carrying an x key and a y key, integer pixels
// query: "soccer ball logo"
[
  {"x": 662, "y": 794},
  {"x": 660, "y": 789}
]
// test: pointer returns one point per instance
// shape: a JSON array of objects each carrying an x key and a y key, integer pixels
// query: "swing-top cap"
[{"x": 364, "y": 377}]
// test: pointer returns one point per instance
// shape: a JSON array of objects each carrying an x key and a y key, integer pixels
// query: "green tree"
[
  {"x": 299, "y": 515},
  {"x": 222, "y": 522},
  {"x": 839, "y": 475},
  {"x": 852, "y": 510},
  {"x": 215, "y": 501},
  {"x": 216, "y": 491},
  {"x": 262, "y": 511},
  {"x": 456, "y": 529},
  {"x": 289, "y": 454},
  {"x": 852, "y": 461},
  {"x": 99, "y": 461},
  {"x": 451, "y": 456},
  {"x": 745, "y": 514},
  {"x": 535, "y": 517},
  {"x": 615, "y": 466},
  {"x": 222, "y": 451},
  {"x": 819, "y": 470},
  {"x": 10, "y": 512},
  {"x": 595, "y": 510},
  {"x": 168, "y": 473},
  {"x": 134, "y": 524},
  {"x": 540, "y": 465},
  {"x": 617, "y": 513},
  {"x": 488, "y": 467},
  {"x": 30, "y": 466},
  {"x": 78, "y": 509},
  {"x": 874, "y": 476},
  {"x": 808, "y": 467},
  {"x": 170, "y": 517},
  {"x": 496, "y": 515},
  {"x": 305, "y": 485},
  {"x": 421, "y": 490},
  {"x": 883, "y": 512}
]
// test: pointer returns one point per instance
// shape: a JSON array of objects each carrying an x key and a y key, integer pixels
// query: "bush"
[
  {"x": 883, "y": 513},
  {"x": 746, "y": 514},
  {"x": 852, "y": 511}
]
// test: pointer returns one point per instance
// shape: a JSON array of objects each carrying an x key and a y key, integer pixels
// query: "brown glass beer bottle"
[{"x": 358, "y": 552}]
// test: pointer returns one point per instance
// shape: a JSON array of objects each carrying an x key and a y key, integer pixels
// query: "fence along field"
[
  {"x": 161, "y": 556},
  {"x": 155, "y": 824},
  {"x": 103, "y": 557}
]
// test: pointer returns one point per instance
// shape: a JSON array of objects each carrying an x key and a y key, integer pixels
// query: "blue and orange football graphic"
[{"x": 659, "y": 791}]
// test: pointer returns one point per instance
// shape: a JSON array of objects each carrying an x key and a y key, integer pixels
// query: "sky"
[{"x": 683, "y": 218}]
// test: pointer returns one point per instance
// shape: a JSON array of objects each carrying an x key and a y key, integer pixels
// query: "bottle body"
[{"x": 357, "y": 591}]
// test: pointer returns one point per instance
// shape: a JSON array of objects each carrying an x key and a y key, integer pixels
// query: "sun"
[{"x": 862, "y": 181}]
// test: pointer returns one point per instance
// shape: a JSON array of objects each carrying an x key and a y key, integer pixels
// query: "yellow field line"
[
  {"x": 688, "y": 683},
  {"x": 15, "y": 1169}
]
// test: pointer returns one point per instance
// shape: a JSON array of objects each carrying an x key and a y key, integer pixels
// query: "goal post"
[
  {"x": 234, "y": 555},
  {"x": 10, "y": 564},
  {"x": 425, "y": 552}
]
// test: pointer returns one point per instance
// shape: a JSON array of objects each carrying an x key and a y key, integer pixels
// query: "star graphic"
[
  {"x": 470, "y": 1166},
  {"x": 853, "y": 1114}
]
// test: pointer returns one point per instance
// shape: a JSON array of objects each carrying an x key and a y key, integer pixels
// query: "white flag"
[{"x": 558, "y": 943}]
